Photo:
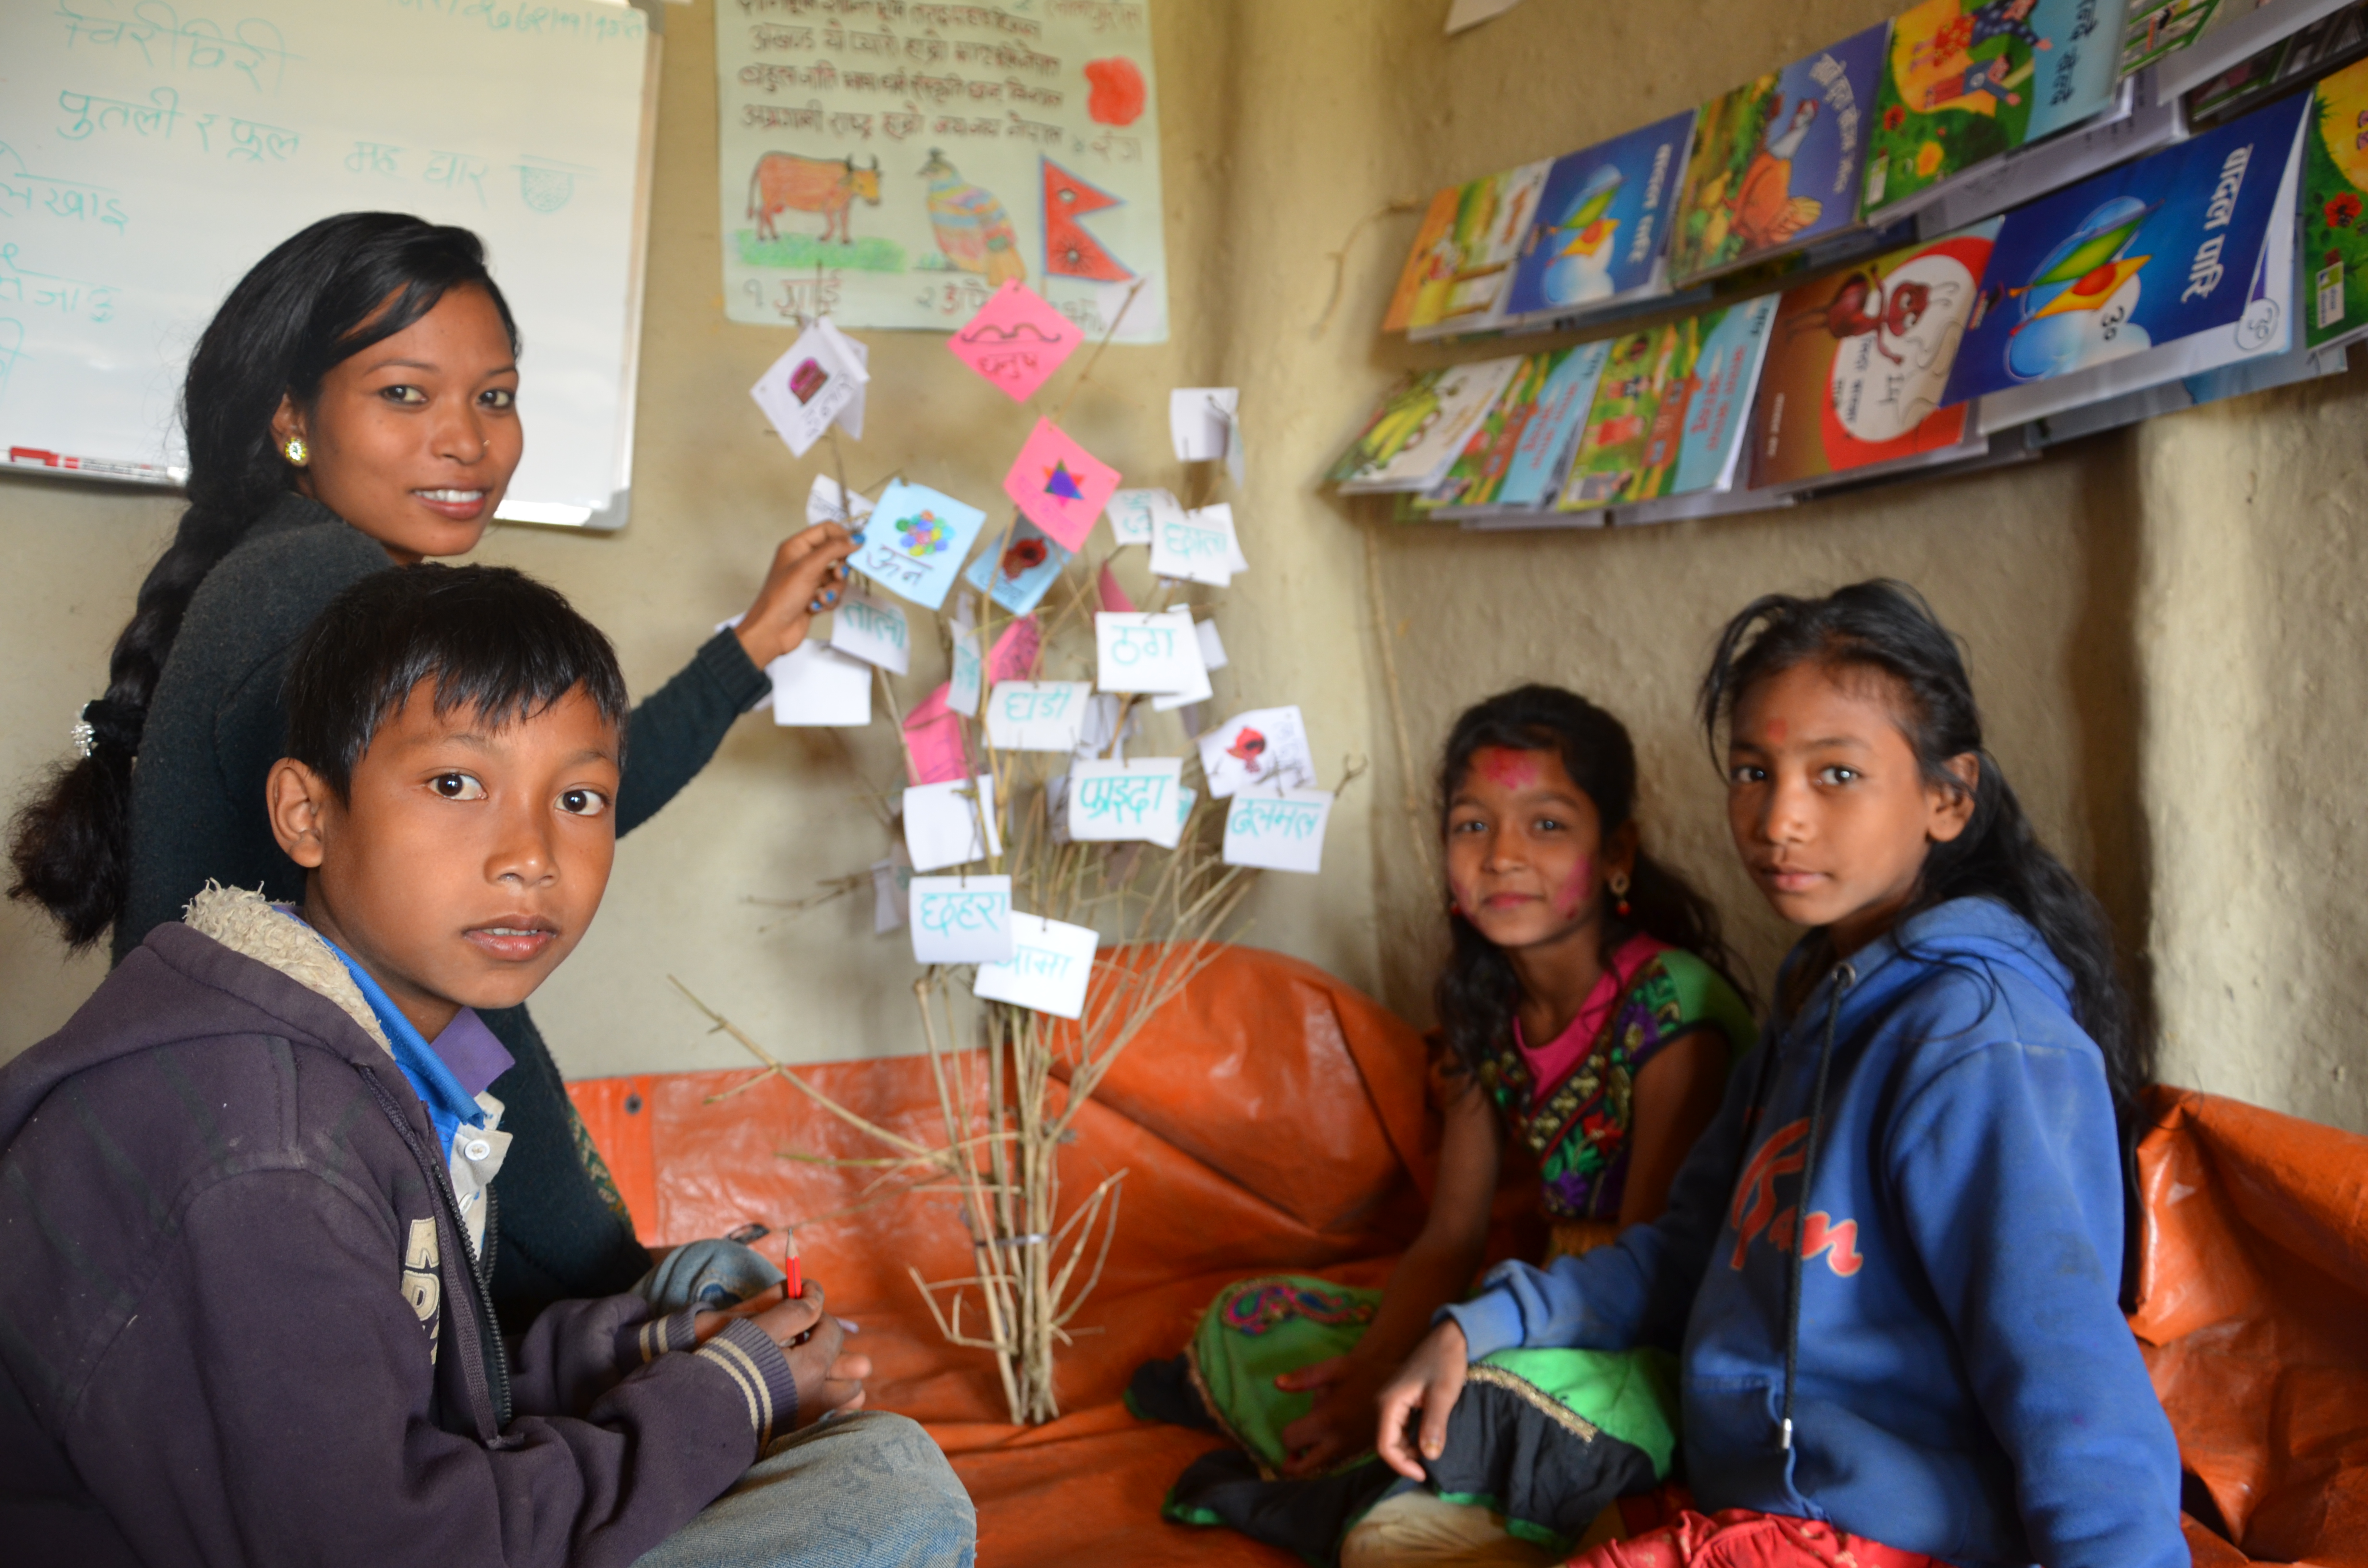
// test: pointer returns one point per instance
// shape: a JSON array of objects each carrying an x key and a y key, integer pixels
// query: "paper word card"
[
  {"x": 1200, "y": 421},
  {"x": 1014, "y": 654},
  {"x": 1185, "y": 796},
  {"x": 1113, "y": 597},
  {"x": 1030, "y": 565},
  {"x": 950, "y": 823},
  {"x": 823, "y": 505},
  {"x": 933, "y": 740},
  {"x": 1197, "y": 546},
  {"x": 970, "y": 667},
  {"x": 1049, "y": 967},
  {"x": 1277, "y": 833},
  {"x": 1212, "y": 647},
  {"x": 806, "y": 388},
  {"x": 1132, "y": 513},
  {"x": 1113, "y": 801},
  {"x": 1148, "y": 653},
  {"x": 914, "y": 543},
  {"x": 1017, "y": 340},
  {"x": 817, "y": 686},
  {"x": 1263, "y": 748},
  {"x": 1059, "y": 486},
  {"x": 1037, "y": 715},
  {"x": 890, "y": 879},
  {"x": 961, "y": 919},
  {"x": 873, "y": 630}
]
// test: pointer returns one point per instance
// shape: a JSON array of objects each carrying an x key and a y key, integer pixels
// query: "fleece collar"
[{"x": 247, "y": 924}]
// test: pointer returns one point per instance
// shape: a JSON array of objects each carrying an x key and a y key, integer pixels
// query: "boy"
[{"x": 243, "y": 1196}]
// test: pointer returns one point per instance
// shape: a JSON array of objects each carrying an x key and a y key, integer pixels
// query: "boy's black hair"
[
  {"x": 1886, "y": 627},
  {"x": 1477, "y": 992},
  {"x": 493, "y": 641}
]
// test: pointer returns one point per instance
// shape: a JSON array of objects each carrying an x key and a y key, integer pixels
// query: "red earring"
[{"x": 1620, "y": 893}]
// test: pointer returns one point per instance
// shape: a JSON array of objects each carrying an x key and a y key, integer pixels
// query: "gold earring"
[{"x": 297, "y": 453}]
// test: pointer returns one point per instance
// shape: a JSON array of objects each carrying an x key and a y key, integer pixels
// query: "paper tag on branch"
[
  {"x": 933, "y": 740},
  {"x": 1113, "y": 597},
  {"x": 1037, "y": 715},
  {"x": 873, "y": 630},
  {"x": 1200, "y": 421},
  {"x": 890, "y": 879},
  {"x": 1261, "y": 748},
  {"x": 969, "y": 674},
  {"x": 950, "y": 823},
  {"x": 823, "y": 504},
  {"x": 1197, "y": 546},
  {"x": 1277, "y": 833},
  {"x": 1198, "y": 691},
  {"x": 1148, "y": 653},
  {"x": 817, "y": 686},
  {"x": 1133, "y": 512},
  {"x": 1115, "y": 801},
  {"x": 1031, "y": 563},
  {"x": 1101, "y": 731},
  {"x": 1017, "y": 340},
  {"x": 961, "y": 919},
  {"x": 1049, "y": 967},
  {"x": 1185, "y": 796},
  {"x": 806, "y": 388},
  {"x": 915, "y": 541},
  {"x": 859, "y": 354},
  {"x": 1212, "y": 648},
  {"x": 1059, "y": 486},
  {"x": 1014, "y": 654}
]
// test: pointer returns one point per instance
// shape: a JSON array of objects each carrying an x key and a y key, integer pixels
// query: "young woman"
[
  {"x": 353, "y": 406},
  {"x": 1896, "y": 1253},
  {"x": 1586, "y": 1019}
]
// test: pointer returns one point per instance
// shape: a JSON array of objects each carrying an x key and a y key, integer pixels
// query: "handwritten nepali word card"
[
  {"x": 1031, "y": 563},
  {"x": 1110, "y": 801},
  {"x": 1185, "y": 796},
  {"x": 1060, "y": 486},
  {"x": 1200, "y": 421},
  {"x": 933, "y": 740},
  {"x": 1049, "y": 967},
  {"x": 1014, "y": 654},
  {"x": 873, "y": 630},
  {"x": 950, "y": 823},
  {"x": 1148, "y": 653},
  {"x": 1047, "y": 715},
  {"x": 961, "y": 919},
  {"x": 1277, "y": 833},
  {"x": 807, "y": 388},
  {"x": 915, "y": 541},
  {"x": 823, "y": 505},
  {"x": 817, "y": 686},
  {"x": 891, "y": 879},
  {"x": 1196, "y": 546},
  {"x": 850, "y": 419},
  {"x": 970, "y": 668},
  {"x": 1017, "y": 340},
  {"x": 1263, "y": 748},
  {"x": 1132, "y": 513}
]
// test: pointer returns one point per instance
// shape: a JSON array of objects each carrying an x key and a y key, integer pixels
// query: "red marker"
[{"x": 793, "y": 1287}]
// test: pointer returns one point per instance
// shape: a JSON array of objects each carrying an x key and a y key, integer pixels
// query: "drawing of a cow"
[{"x": 783, "y": 182}]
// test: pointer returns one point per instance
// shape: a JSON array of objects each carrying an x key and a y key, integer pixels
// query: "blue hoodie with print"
[{"x": 1962, "y": 1382}]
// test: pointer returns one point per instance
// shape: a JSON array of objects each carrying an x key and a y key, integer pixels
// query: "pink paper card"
[
  {"x": 1060, "y": 486},
  {"x": 1014, "y": 654},
  {"x": 933, "y": 741},
  {"x": 1017, "y": 340},
  {"x": 1114, "y": 598}
]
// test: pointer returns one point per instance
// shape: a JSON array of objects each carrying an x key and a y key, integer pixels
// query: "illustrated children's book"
[
  {"x": 1858, "y": 364},
  {"x": 1639, "y": 370},
  {"x": 1602, "y": 223},
  {"x": 2173, "y": 265},
  {"x": 1776, "y": 163},
  {"x": 1479, "y": 470},
  {"x": 1421, "y": 428},
  {"x": 1964, "y": 81},
  {"x": 1520, "y": 467},
  {"x": 2334, "y": 186},
  {"x": 1455, "y": 276},
  {"x": 1669, "y": 411},
  {"x": 2318, "y": 49},
  {"x": 2153, "y": 28},
  {"x": 1711, "y": 418}
]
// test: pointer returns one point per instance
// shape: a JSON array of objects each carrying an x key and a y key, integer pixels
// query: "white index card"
[
  {"x": 874, "y": 631},
  {"x": 1133, "y": 513},
  {"x": 890, "y": 879},
  {"x": 816, "y": 684},
  {"x": 1037, "y": 715},
  {"x": 1185, "y": 796},
  {"x": 1200, "y": 420},
  {"x": 1050, "y": 965},
  {"x": 859, "y": 354},
  {"x": 823, "y": 505},
  {"x": 1196, "y": 546},
  {"x": 1168, "y": 702},
  {"x": 950, "y": 823},
  {"x": 970, "y": 668},
  {"x": 1116, "y": 801},
  {"x": 1212, "y": 649},
  {"x": 1261, "y": 748},
  {"x": 1278, "y": 832},
  {"x": 808, "y": 387},
  {"x": 1143, "y": 652},
  {"x": 961, "y": 919}
]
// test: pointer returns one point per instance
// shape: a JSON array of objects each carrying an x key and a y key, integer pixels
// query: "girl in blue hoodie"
[{"x": 1892, "y": 1263}]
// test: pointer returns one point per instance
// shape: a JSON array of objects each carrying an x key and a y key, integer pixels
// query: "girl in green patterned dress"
[{"x": 1587, "y": 1016}]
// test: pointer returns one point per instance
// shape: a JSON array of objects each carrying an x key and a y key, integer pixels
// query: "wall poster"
[{"x": 892, "y": 162}]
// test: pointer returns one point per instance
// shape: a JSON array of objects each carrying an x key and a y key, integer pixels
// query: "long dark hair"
[
  {"x": 1886, "y": 627},
  {"x": 320, "y": 297},
  {"x": 1478, "y": 990}
]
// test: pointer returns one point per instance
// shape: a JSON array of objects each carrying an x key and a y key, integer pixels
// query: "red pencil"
[{"x": 793, "y": 1287}]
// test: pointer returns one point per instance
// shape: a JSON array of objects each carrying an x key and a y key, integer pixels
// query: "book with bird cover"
[
  {"x": 1600, "y": 236},
  {"x": 1456, "y": 276},
  {"x": 1966, "y": 81},
  {"x": 1858, "y": 363},
  {"x": 1775, "y": 164}
]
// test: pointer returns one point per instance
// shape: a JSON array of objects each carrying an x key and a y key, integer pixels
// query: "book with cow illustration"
[
  {"x": 1598, "y": 237},
  {"x": 2334, "y": 186},
  {"x": 1458, "y": 271},
  {"x": 1775, "y": 164},
  {"x": 1421, "y": 428},
  {"x": 1858, "y": 364}
]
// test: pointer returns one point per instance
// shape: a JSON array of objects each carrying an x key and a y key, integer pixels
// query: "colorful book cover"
[
  {"x": 1857, "y": 364},
  {"x": 1479, "y": 470},
  {"x": 1776, "y": 163},
  {"x": 2139, "y": 256},
  {"x": 2153, "y": 28},
  {"x": 1454, "y": 279},
  {"x": 1542, "y": 455},
  {"x": 1734, "y": 344},
  {"x": 1632, "y": 428},
  {"x": 1426, "y": 258},
  {"x": 2334, "y": 185},
  {"x": 1421, "y": 426},
  {"x": 2318, "y": 50},
  {"x": 1964, "y": 81},
  {"x": 1602, "y": 222}
]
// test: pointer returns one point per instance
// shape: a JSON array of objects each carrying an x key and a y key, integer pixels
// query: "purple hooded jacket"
[{"x": 239, "y": 1323}]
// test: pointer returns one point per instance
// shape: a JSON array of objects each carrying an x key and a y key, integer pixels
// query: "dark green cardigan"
[{"x": 215, "y": 727}]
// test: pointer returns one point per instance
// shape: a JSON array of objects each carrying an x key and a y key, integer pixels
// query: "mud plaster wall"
[{"x": 2163, "y": 624}]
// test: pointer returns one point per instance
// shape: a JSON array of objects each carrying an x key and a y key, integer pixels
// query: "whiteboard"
[{"x": 153, "y": 151}]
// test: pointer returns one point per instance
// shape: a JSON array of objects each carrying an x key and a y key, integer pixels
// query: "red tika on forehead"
[{"x": 1508, "y": 769}]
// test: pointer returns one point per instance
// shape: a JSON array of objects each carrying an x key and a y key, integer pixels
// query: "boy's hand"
[
  {"x": 1340, "y": 1424},
  {"x": 826, "y": 1380},
  {"x": 806, "y": 579},
  {"x": 1431, "y": 1381}
]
